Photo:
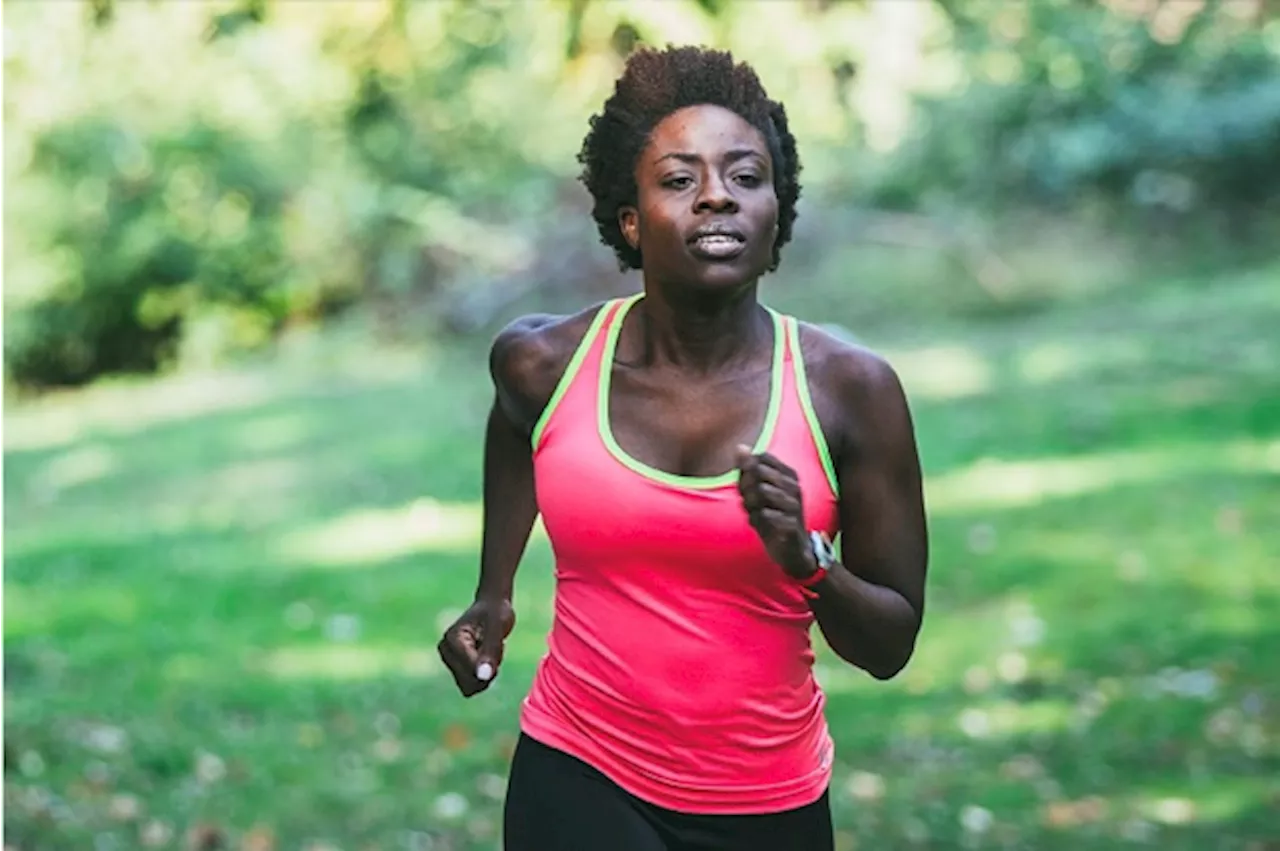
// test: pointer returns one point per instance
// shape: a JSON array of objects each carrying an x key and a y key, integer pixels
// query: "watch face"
[{"x": 823, "y": 549}]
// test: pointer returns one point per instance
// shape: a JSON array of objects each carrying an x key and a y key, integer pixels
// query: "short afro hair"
[{"x": 655, "y": 84}]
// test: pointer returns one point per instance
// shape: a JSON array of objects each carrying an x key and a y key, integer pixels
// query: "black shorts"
[{"x": 556, "y": 802}]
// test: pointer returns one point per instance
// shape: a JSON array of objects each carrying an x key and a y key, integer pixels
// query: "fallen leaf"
[
  {"x": 388, "y": 750},
  {"x": 456, "y": 737},
  {"x": 105, "y": 738},
  {"x": 492, "y": 786},
  {"x": 505, "y": 747},
  {"x": 155, "y": 834},
  {"x": 210, "y": 768},
  {"x": 975, "y": 819},
  {"x": 124, "y": 808},
  {"x": 866, "y": 786},
  {"x": 1021, "y": 767},
  {"x": 260, "y": 838},
  {"x": 205, "y": 837},
  {"x": 450, "y": 805},
  {"x": 1072, "y": 813}
]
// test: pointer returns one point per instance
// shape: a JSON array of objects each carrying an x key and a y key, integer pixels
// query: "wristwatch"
[{"x": 824, "y": 554}]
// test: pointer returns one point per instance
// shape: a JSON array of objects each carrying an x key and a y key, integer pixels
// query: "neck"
[{"x": 701, "y": 334}]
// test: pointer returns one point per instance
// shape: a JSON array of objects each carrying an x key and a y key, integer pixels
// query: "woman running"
[{"x": 692, "y": 453}]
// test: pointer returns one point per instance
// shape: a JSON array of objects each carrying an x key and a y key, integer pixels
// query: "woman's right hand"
[{"x": 472, "y": 646}]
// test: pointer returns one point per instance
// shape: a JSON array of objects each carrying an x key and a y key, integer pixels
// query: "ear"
[{"x": 629, "y": 224}]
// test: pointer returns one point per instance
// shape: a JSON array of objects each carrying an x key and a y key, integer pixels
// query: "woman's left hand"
[{"x": 771, "y": 496}]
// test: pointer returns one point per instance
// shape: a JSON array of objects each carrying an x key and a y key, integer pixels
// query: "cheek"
[
  {"x": 769, "y": 223},
  {"x": 655, "y": 224},
  {"x": 772, "y": 224}
]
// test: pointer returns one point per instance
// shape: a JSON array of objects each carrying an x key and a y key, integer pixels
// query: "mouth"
[{"x": 717, "y": 242}]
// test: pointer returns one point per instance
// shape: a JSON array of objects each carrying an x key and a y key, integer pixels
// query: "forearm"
[
  {"x": 867, "y": 625},
  {"x": 510, "y": 506}
]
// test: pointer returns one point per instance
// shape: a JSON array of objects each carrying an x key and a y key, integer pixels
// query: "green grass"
[{"x": 223, "y": 594}]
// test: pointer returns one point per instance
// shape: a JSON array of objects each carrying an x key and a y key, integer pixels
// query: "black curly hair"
[{"x": 655, "y": 84}]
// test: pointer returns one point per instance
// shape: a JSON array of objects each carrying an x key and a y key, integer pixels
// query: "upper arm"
[
  {"x": 884, "y": 536},
  {"x": 517, "y": 363},
  {"x": 528, "y": 358}
]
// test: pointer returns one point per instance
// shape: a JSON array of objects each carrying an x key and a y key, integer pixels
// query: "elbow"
[
  {"x": 882, "y": 667},
  {"x": 885, "y": 672},
  {"x": 889, "y": 665}
]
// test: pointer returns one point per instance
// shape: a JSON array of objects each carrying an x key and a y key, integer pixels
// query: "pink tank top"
[{"x": 679, "y": 662}]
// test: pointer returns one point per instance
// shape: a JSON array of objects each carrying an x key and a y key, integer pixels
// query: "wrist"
[
  {"x": 498, "y": 594},
  {"x": 820, "y": 557},
  {"x": 804, "y": 565}
]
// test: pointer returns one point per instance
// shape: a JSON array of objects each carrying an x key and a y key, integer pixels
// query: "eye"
[
  {"x": 748, "y": 179},
  {"x": 680, "y": 181}
]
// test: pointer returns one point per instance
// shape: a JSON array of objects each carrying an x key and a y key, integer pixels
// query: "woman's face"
[{"x": 706, "y": 214}]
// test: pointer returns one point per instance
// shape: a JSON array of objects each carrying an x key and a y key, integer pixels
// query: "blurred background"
[{"x": 254, "y": 253}]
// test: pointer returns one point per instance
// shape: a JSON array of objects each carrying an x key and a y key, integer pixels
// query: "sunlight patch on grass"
[
  {"x": 348, "y": 663},
  {"x": 127, "y": 408},
  {"x": 190, "y": 668},
  {"x": 74, "y": 467},
  {"x": 993, "y": 483},
  {"x": 1002, "y": 719},
  {"x": 28, "y": 611},
  {"x": 943, "y": 372},
  {"x": 1050, "y": 361},
  {"x": 1221, "y": 799},
  {"x": 272, "y": 433},
  {"x": 968, "y": 647},
  {"x": 24, "y": 611},
  {"x": 374, "y": 535},
  {"x": 254, "y": 479}
]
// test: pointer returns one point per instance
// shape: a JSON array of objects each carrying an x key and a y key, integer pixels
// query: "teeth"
[{"x": 717, "y": 239}]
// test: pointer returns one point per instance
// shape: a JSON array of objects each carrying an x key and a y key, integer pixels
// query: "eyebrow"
[{"x": 731, "y": 157}]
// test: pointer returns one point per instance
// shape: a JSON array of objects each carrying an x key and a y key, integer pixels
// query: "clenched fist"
[
  {"x": 472, "y": 647},
  {"x": 771, "y": 496}
]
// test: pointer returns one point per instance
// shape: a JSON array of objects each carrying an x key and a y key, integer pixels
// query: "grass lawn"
[{"x": 223, "y": 594}]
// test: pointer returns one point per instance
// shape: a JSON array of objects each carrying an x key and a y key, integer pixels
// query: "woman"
[{"x": 692, "y": 453}]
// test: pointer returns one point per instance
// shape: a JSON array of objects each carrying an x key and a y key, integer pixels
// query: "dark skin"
[{"x": 688, "y": 395}]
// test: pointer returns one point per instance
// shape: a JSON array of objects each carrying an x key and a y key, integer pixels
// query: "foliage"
[
  {"x": 1173, "y": 106},
  {"x": 186, "y": 181}
]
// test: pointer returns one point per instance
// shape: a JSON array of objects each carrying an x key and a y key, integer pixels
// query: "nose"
[{"x": 715, "y": 196}]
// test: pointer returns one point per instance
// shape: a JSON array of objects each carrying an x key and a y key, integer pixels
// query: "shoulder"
[
  {"x": 847, "y": 369},
  {"x": 529, "y": 356},
  {"x": 857, "y": 394}
]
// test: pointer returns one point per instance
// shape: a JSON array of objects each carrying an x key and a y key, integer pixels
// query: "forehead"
[{"x": 704, "y": 130}]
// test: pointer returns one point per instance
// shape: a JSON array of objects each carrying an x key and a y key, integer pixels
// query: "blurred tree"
[
  {"x": 269, "y": 162},
  {"x": 1155, "y": 105}
]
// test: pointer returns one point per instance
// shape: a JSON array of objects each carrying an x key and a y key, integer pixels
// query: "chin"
[
  {"x": 728, "y": 276},
  {"x": 723, "y": 279}
]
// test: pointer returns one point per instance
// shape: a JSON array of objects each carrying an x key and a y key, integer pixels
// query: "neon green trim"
[
  {"x": 806, "y": 403},
  {"x": 643, "y": 469},
  {"x": 570, "y": 371}
]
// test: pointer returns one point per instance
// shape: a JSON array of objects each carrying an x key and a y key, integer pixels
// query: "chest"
[{"x": 686, "y": 427}]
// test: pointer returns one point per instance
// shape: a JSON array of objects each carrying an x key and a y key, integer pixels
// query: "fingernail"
[{"x": 485, "y": 672}]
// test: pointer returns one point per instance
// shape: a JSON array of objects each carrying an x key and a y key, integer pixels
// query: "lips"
[{"x": 717, "y": 242}]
